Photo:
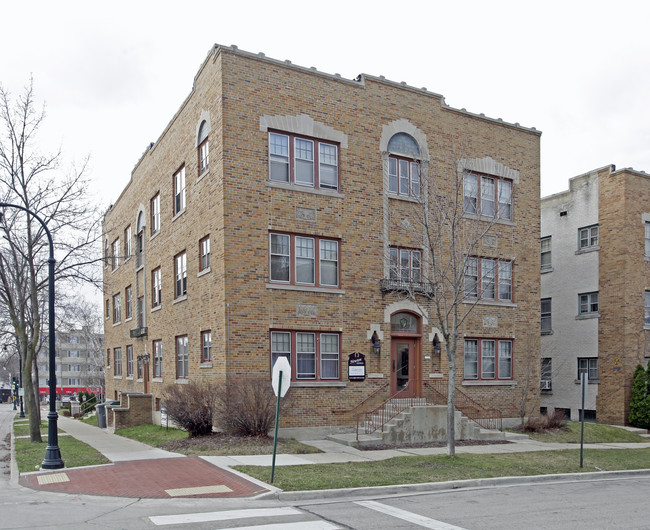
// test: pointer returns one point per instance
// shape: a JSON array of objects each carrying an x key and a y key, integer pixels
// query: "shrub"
[
  {"x": 192, "y": 407},
  {"x": 554, "y": 421},
  {"x": 640, "y": 402}
]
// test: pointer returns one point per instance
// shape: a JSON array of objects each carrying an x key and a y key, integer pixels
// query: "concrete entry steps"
[{"x": 418, "y": 424}]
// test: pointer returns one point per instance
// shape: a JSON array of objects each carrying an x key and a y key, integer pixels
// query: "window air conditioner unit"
[{"x": 545, "y": 385}]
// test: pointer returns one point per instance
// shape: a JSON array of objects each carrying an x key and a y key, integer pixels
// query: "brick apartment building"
[
  {"x": 271, "y": 219},
  {"x": 595, "y": 292}
]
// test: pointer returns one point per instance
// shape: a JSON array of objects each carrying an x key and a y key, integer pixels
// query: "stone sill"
[
  {"x": 204, "y": 272},
  {"x": 305, "y": 189},
  {"x": 503, "y": 382},
  {"x": 304, "y": 288},
  {"x": 587, "y": 250},
  {"x": 319, "y": 384},
  {"x": 587, "y": 316}
]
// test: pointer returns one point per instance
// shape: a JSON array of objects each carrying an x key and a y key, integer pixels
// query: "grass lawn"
[
  {"x": 440, "y": 468},
  {"x": 594, "y": 433}
]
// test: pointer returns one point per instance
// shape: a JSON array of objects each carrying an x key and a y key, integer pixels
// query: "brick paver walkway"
[{"x": 160, "y": 478}]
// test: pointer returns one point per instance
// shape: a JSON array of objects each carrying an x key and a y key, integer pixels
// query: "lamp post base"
[{"x": 52, "y": 452}]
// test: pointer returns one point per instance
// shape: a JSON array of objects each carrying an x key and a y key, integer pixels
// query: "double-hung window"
[
  {"x": 647, "y": 239},
  {"x": 204, "y": 254},
  {"x": 647, "y": 309},
  {"x": 182, "y": 359},
  {"x": 488, "y": 279},
  {"x": 179, "y": 191},
  {"x": 588, "y": 237},
  {"x": 546, "y": 252},
  {"x": 127, "y": 242},
  {"x": 116, "y": 253},
  {"x": 117, "y": 361},
  {"x": 117, "y": 309},
  {"x": 157, "y": 358},
  {"x": 588, "y": 365},
  {"x": 156, "y": 292},
  {"x": 155, "y": 214},
  {"x": 303, "y": 260},
  {"x": 206, "y": 346},
  {"x": 129, "y": 302},
  {"x": 129, "y": 361},
  {"x": 488, "y": 359},
  {"x": 546, "y": 316},
  {"x": 488, "y": 196},
  {"x": 204, "y": 148},
  {"x": 303, "y": 161},
  {"x": 405, "y": 265},
  {"x": 314, "y": 355},
  {"x": 403, "y": 176},
  {"x": 588, "y": 303},
  {"x": 180, "y": 273}
]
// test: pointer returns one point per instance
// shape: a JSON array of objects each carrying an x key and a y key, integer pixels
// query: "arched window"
[
  {"x": 403, "y": 165},
  {"x": 204, "y": 147},
  {"x": 404, "y": 323}
]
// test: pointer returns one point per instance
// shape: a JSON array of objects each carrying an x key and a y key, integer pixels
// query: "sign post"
[
  {"x": 583, "y": 391},
  {"x": 280, "y": 386}
]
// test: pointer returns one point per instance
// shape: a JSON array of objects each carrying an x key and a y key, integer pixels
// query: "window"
[
  {"x": 157, "y": 358},
  {"x": 179, "y": 191},
  {"x": 588, "y": 365},
  {"x": 74, "y": 353},
  {"x": 588, "y": 303},
  {"x": 140, "y": 365},
  {"x": 182, "y": 362},
  {"x": 315, "y": 355},
  {"x": 117, "y": 357},
  {"x": 155, "y": 214},
  {"x": 316, "y": 261},
  {"x": 403, "y": 176},
  {"x": 106, "y": 253},
  {"x": 180, "y": 273},
  {"x": 129, "y": 361},
  {"x": 546, "y": 252},
  {"x": 128, "y": 298},
  {"x": 588, "y": 237},
  {"x": 488, "y": 279},
  {"x": 127, "y": 243},
  {"x": 405, "y": 265},
  {"x": 204, "y": 254},
  {"x": 108, "y": 357},
  {"x": 116, "y": 253},
  {"x": 647, "y": 239},
  {"x": 139, "y": 249},
  {"x": 156, "y": 282},
  {"x": 547, "y": 371},
  {"x": 204, "y": 148},
  {"x": 487, "y": 359},
  {"x": 647, "y": 308},
  {"x": 107, "y": 309},
  {"x": 488, "y": 196},
  {"x": 303, "y": 161},
  {"x": 117, "y": 309},
  {"x": 206, "y": 346},
  {"x": 546, "y": 316},
  {"x": 140, "y": 311}
]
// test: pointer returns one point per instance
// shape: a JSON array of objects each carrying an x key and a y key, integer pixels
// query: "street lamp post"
[
  {"x": 52, "y": 452},
  {"x": 20, "y": 388}
]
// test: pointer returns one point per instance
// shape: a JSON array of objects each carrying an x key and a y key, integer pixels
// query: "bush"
[
  {"x": 640, "y": 402},
  {"x": 554, "y": 421},
  {"x": 192, "y": 407},
  {"x": 247, "y": 407}
]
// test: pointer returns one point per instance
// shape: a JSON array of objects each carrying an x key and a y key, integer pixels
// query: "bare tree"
[{"x": 34, "y": 181}]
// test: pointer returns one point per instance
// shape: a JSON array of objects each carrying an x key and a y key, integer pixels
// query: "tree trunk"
[
  {"x": 31, "y": 405},
  {"x": 451, "y": 403}
]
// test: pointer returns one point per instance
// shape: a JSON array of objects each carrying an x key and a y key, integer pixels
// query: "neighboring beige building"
[
  {"x": 595, "y": 292},
  {"x": 270, "y": 219}
]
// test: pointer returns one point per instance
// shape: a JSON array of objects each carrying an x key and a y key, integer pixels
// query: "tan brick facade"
[{"x": 243, "y": 98}]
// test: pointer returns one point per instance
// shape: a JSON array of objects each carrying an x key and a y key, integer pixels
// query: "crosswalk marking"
[
  {"x": 161, "y": 520},
  {"x": 304, "y": 525},
  {"x": 410, "y": 517}
]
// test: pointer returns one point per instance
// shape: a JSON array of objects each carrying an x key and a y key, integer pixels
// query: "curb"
[{"x": 429, "y": 487}]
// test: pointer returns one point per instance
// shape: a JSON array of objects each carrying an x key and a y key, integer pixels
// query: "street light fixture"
[{"x": 52, "y": 458}]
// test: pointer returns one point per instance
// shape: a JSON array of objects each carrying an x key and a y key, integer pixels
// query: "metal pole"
[
  {"x": 583, "y": 391},
  {"x": 20, "y": 389},
  {"x": 277, "y": 421}
]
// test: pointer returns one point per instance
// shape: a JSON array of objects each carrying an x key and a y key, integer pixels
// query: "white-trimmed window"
[
  {"x": 647, "y": 239},
  {"x": 588, "y": 365},
  {"x": 128, "y": 295},
  {"x": 588, "y": 237},
  {"x": 647, "y": 309},
  {"x": 155, "y": 214},
  {"x": 117, "y": 361},
  {"x": 117, "y": 308},
  {"x": 156, "y": 291},
  {"x": 487, "y": 195},
  {"x": 303, "y": 161},
  {"x": 488, "y": 279},
  {"x": 204, "y": 148},
  {"x": 303, "y": 260},
  {"x": 403, "y": 176},
  {"x": 546, "y": 252},
  {"x": 182, "y": 359},
  {"x": 405, "y": 265},
  {"x": 488, "y": 359},
  {"x": 129, "y": 361},
  {"x": 128, "y": 242},
  {"x": 206, "y": 346},
  {"x": 204, "y": 253},
  {"x": 179, "y": 190},
  {"x": 116, "y": 253},
  {"x": 180, "y": 274},
  {"x": 546, "y": 316},
  {"x": 313, "y": 355},
  {"x": 157, "y": 358},
  {"x": 588, "y": 303}
]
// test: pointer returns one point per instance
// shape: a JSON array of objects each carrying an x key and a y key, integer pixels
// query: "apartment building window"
[
  {"x": 588, "y": 303},
  {"x": 488, "y": 279},
  {"x": 179, "y": 191},
  {"x": 546, "y": 375},
  {"x": 403, "y": 176},
  {"x": 156, "y": 283},
  {"x": 155, "y": 214},
  {"x": 546, "y": 316},
  {"x": 647, "y": 239},
  {"x": 117, "y": 361},
  {"x": 647, "y": 309},
  {"x": 107, "y": 309},
  {"x": 117, "y": 309},
  {"x": 488, "y": 359},
  {"x": 127, "y": 243},
  {"x": 180, "y": 273},
  {"x": 546, "y": 253},
  {"x": 116, "y": 253},
  {"x": 106, "y": 254},
  {"x": 204, "y": 254},
  {"x": 129, "y": 361},
  {"x": 157, "y": 358},
  {"x": 141, "y": 311},
  {"x": 304, "y": 260},
  {"x": 140, "y": 366},
  {"x": 139, "y": 249},
  {"x": 206, "y": 346},
  {"x": 108, "y": 357},
  {"x": 405, "y": 265},
  {"x": 588, "y": 365},
  {"x": 588, "y": 237},
  {"x": 204, "y": 148},
  {"x": 128, "y": 299},
  {"x": 487, "y": 195},
  {"x": 75, "y": 354},
  {"x": 314, "y": 355},
  {"x": 303, "y": 161},
  {"x": 182, "y": 360}
]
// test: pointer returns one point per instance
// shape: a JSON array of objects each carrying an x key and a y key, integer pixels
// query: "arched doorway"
[{"x": 406, "y": 350}]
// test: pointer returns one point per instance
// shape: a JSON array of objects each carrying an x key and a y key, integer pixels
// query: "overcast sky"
[{"x": 112, "y": 74}]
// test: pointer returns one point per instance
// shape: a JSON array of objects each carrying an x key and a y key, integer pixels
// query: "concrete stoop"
[{"x": 420, "y": 424}]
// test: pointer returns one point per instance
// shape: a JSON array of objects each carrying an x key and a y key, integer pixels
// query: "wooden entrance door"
[{"x": 404, "y": 366}]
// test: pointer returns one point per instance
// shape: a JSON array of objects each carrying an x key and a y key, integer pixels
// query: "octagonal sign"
[{"x": 281, "y": 365}]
